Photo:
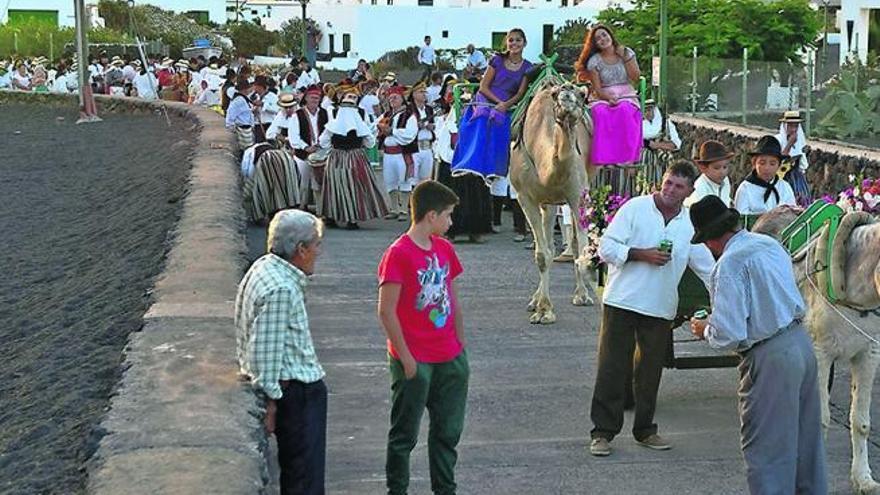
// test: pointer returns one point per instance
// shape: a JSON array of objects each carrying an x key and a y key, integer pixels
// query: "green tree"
[
  {"x": 771, "y": 30},
  {"x": 251, "y": 39},
  {"x": 290, "y": 35},
  {"x": 572, "y": 33},
  {"x": 177, "y": 31}
]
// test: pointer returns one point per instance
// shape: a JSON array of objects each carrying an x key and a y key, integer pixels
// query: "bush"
[
  {"x": 851, "y": 105},
  {"x": 41, "y": 39},
  {"x": 290, "y": 35}
]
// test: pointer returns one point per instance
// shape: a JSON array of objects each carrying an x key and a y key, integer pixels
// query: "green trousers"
[{"x": 442, "y": 389}]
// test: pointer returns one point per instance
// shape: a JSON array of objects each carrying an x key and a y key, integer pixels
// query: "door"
[{"x": 547, "y": 40}]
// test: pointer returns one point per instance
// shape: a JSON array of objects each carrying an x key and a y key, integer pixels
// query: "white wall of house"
[
  {"x": 376, "y": 30},
  {"x": 857, "y": 11}
]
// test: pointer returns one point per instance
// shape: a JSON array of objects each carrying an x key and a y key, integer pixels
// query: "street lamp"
[{"x": 305, "y": 32}]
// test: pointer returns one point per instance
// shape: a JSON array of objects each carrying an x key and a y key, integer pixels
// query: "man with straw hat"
[
  {"x": 115, "y": 77},
  {"x": 757, "y": 311},
  {"x": 398, "y": 129},
  {"x": 280, "y": 125}
]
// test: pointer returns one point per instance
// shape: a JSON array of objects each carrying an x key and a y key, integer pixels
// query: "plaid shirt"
[{"x": 273, "y": 338}]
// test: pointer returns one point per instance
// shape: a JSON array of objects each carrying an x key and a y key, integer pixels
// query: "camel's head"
[{"x": 569, "y": 103}]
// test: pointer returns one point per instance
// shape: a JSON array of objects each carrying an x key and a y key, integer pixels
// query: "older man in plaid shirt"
[{"x": 275, "y": 349}]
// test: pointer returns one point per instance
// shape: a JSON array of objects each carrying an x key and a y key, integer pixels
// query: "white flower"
[{"x": 852, "y": 177}]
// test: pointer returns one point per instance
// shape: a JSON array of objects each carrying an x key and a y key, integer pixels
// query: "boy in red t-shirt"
[{"x": 419, "y": 310}]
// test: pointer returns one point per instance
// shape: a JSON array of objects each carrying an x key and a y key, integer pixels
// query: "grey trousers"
[{"x": 781, "y": 430}]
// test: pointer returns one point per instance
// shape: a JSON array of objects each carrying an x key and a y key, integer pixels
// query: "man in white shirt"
[
  {"x": 426, "y": 59},
  {"x": 146, "y": 85},
  {"x": 303, "y": 132},
  {"x": 432, "y": 93},
  {"x": 757, "y": 311},
  {"x": 423, "y": 160},
  {"x": 308, "y": 76},
  {"x": 370, "y": 103},
  {"x": 476, "y": 63},
  {"x": 280, "y": 125},
  {"x": 647, "y": 248},
  {"x": 652, "y": 129},
  {"x": 398, "y": 129}
]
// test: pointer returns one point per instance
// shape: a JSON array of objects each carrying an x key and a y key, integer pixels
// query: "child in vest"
[
  {"x": 762, "y": 190},
  {"x": 419, "y": 311},
  {"x": 714, "y": 165}
]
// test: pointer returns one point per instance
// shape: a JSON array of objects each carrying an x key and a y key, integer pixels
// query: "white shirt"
[
  {"x": 327, "y": 104},
  {"x": 144, "y": 84},
  {"x": 797, "y": 149},
  {"x": 446, "y": 127},
  {"x": 128, "y": 73},
  {"x": 642, "y": 287},
  {"x": 422, "y": 115},
  {"x": 6, "y": 81},
  {"x": 405, "y": 135},
  {"x": 239, "y": 112},
  {"x": 270, "y": 108},
  {"x": 477, "y": 59},
  {"x": 652, "y": 129},
  {"x": 370, "y": 103},
  {"x": 308, "y": 79},
  {"x": 60, "y": 84},
  {"x": 207, "y": 98},
  {"x": 281, "y": 121},
  {"x": 704, "y": 186},
  {"x": 754, "y": 292},
  {"x": 426, "y": 55},
  {"x": 749, "y": 199},
  {"x": 432, "y": 94},
  {"x": 293, "y": 134},
  {"x": 21, "y": 80}
]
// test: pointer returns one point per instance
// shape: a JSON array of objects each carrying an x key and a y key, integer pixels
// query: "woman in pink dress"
[{"x": 611, "y": 68}]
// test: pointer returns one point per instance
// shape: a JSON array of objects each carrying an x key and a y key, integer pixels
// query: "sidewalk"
[{"x": 528, "y": 410}]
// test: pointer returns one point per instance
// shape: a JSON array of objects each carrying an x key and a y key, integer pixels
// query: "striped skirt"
[
  {"x": 351, "y": 192},
  {"x": 273, "y": 187},
  {"x": 245, "y": 137}
]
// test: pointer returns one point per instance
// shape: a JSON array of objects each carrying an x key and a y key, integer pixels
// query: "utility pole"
[
  {"x": 664, "y": 60},
  {"x": 305, "y": 33},
  {"x": 87, "y": 109}
]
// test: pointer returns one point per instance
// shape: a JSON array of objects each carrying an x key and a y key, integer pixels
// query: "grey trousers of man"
[{"x": 781, "y": 430}]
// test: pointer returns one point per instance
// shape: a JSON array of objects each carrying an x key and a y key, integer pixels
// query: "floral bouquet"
[
  {"x": 861, "y": 195},
  {"x": 595, "y": 210}
]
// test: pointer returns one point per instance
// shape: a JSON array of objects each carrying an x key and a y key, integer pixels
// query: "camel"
[
  {"x": 549, "y": 166},
  {"x": 847, "y": 330}
]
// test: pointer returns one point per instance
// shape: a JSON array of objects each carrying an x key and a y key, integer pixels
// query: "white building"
[
  {"x": 854, "y": 20},
  {"x": 61, "y": 11},
  {"x": 367, "y": 29}
]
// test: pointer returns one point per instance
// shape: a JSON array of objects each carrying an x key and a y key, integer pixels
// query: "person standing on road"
[
  {"x": 647, "y": 248},
  {"x": 426, "y": 59},
  {"x": 420, "y": 313},
  {"x": 757, "y": 311},
  {"x": 275, "y": 349}
]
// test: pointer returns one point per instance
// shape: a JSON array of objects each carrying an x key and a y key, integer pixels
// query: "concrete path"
[{"x": 528, "y": 411}]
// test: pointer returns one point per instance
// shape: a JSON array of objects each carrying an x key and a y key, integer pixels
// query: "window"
[
  {"x": 332, "y": 42},
  {"x": 426, "y": 3},
  {"x": 346, "y": 42},
  {"x": 565, "y": 3},
  {"x": 373, "y": 2},
  {"x": 506, "y": 4},
  {"x": 444, "y": 34},
  {"x": 390, "y": 2},
  {"x": 499, "y": 39}
]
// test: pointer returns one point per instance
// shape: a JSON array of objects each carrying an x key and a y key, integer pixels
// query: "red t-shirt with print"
[{"x": 426, "y": 307}]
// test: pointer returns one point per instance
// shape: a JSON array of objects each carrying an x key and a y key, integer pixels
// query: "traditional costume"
[
  {"x": 795, "y": 159},
  {"x": 304, "y": 130},
  {"x": 398, "y": 147},
  {"x": 423, "y": 159},
  {"x": 274, "y": 184},
  {"x": 350, "y": 191},
  {"x": 240, "y": 118},
  {"x": 754, "y": 195}
]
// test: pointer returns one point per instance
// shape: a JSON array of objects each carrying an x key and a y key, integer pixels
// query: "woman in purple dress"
[{"x": 484, "y": 132}]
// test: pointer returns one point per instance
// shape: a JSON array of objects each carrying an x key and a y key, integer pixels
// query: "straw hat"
[
  {"x": 167, "y": 62},
  {"x": 39, "y": 61},
  {"x": 390, "y": 76},
  {"x": 420, "y": 86},
  {"x": 286, "y": 100},
  {"x": 116, "y": 61},
  {"x": 792, "y": 116}
]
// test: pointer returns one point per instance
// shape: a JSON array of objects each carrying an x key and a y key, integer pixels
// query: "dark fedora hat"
[
  {"x": 711, "y": 218},
  {"x": 713, "y": 151},
  {"x": 767, "y": 145}
]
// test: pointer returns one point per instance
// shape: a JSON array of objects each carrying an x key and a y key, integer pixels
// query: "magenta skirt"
[{"x": 617, "y": 133}]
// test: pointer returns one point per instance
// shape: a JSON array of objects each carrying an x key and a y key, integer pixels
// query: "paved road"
[{"x": 528, "y": 420}]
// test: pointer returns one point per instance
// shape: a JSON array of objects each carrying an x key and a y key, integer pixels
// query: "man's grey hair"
[{"x": 290, "y": 229}]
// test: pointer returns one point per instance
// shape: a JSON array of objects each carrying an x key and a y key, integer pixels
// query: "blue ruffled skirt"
[{"x": 483, "y": 145}]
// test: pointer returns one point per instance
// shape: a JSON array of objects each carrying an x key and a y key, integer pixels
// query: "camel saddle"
[{"x": 833, "y": 227}]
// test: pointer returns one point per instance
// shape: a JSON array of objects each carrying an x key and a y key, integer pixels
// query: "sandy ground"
[{"x": 85, "y": 215}]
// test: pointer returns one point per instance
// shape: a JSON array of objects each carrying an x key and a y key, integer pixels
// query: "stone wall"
[
  {"x": 180, "y": 420},
  {"x": 830, "y": 162}
]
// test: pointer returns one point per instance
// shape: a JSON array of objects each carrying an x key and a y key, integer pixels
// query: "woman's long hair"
[
  {"x": 590, "y": 47},
  {"x": 518, "y": 31}
]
